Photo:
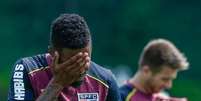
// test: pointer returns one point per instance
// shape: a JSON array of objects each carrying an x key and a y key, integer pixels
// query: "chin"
[
  {"x": 81, "y": 77},
  {"x": 157, "y": 91},
  {"x": 78, "y": 82}
]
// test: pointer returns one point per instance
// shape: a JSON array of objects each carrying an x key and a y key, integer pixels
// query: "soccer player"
[
  {"x": 159, "y": 64},
  {"x": 66, "y": 72}
]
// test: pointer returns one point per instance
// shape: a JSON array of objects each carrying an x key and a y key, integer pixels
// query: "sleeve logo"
[{"x": 19, "y": 90}]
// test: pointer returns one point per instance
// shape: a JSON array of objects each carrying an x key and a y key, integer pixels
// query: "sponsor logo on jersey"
[{"x": 19, "y": 90}]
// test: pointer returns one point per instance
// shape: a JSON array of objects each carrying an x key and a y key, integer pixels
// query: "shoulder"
[
  {"x": 126, "y": 87},
  {"x": 100, "y": 72},
  {"x": 126, "y": 90},
  {"x": 33, "y": 62},
  {"x": 20, "y": 85},
  {"x": 105, "y": 76}
]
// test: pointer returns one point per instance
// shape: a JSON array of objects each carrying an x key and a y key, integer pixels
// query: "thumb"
[{"x": 55, "y": 59}]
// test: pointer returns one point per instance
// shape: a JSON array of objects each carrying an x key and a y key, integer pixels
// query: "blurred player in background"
[
  {"x": 66, "y": 73},
  {"x": 159, "y": 64}
]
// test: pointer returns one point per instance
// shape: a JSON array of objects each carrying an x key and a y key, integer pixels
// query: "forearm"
[{"x": 51, "y": 92}]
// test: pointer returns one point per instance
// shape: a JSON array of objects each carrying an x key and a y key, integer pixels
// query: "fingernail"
[
  {"x": 87, "y": 58},
  {"x": 85, "y": 53},
  {"x": 80, "y": 53},
  {"x": 88, "y": 64},
  {"x": 56, "y": 53}
]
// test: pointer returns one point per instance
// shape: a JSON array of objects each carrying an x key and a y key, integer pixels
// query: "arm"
[
  {"x": 20, "y": 87},
  {"x": 51, "y": 92},
  {"x": 64, "y": 74}
]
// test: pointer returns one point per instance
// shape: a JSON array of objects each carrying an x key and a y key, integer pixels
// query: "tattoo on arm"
[{"x": 51, "y": 93}]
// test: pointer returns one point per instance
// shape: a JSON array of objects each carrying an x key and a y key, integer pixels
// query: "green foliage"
[{"x": 187, "y": 88}]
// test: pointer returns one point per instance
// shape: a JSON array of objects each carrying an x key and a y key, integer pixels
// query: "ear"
[{"x": 146, "y": 70}]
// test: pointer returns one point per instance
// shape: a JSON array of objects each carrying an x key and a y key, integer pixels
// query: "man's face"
[
  {"x": 66, "y": 53},
  {"x": 161, "y": 80}
]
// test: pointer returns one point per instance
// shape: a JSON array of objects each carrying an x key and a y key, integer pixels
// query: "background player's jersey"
[
  {"x": 31, "y": 75},
  {"x": 129, "y": 93}
]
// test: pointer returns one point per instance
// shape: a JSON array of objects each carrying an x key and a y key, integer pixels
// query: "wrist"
[{"x": 56, "y": 84}]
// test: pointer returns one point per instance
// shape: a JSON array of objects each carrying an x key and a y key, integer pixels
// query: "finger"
[
  {"x": 72, "y": 59},
  {"x": 78, "y": 61},
  {"x": 75, "y": 70},
  {"x": 72, "y": 69},
  {"x": 76, "y": 66},
  {"x": 55, "y": 59},
  {"x": 85, "y": 67},
  {"x": 54, "y": 62},
  {"x": 56, "y": 54},
  {"x": 87, "y": 59},
  {"x": 86, "y": 63},
  {"x": 83, "y": 61},
  {"x": 86, "y": 54}
]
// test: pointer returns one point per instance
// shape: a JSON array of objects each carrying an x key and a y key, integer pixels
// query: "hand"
[
  {"x": 178, "y": 99},
  {"x": 163, "y": 97},
  {"x": 169, "y": 99},
  {"x": 69, "y": 71}
]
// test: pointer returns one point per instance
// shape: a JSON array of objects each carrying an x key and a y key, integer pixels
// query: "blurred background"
[{"x": 120, "y": 29}]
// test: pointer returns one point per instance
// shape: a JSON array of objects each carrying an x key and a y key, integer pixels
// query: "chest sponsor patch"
[{"x": 88, "y": 97}]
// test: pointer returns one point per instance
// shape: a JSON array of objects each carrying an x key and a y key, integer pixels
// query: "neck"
[{"x": 138, "y": 81}]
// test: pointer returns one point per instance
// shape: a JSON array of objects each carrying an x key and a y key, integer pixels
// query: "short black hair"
[{"x": 69, "y": 31}]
